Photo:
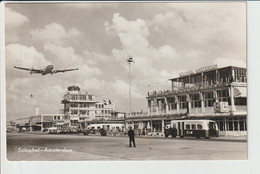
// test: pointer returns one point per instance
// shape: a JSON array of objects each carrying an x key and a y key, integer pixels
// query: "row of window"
[
  {"x": 197, "y": 104},
  {"x": 240, "y": 75},
  {"x": 57, "y": 117},
  {"x": 105, "y": 111},
  {"x": 218, "y": 76},
  {"x": 99, "y": 106},
  {"x": 85, "y": 105},
  {"x": 99, "y": 116},
  {"x": 195, "y": 100},
  {"x": 81, "y": 97},
  {"x": 86, "y": 112},
  {"x": 232, "y": 124},
  {"x": 82, "y": 105},
  {"x": 193, "y": 126},
  {"x": 79, "y": 112}
]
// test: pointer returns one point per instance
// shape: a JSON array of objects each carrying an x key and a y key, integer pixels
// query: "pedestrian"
[{"x": 131, "y": 135}]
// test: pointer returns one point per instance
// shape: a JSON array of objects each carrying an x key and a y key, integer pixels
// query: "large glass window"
[
  {"x": 196, "y": 79},
  {"x": 242, "y": 124},
  {"x": 74, "y": 97},
  {"x": 187, "y": 126},
  {"x": 84, "y": 105},
  {"x": 241, "y": 101},
  {"x": 183, "y": 102},
  {"x": 172, "y": 103},
  {"x": 230, "y": 124},
  {"x": 152, "y": 105},
  {"x": 82, "y": 97},
  {"x": 224, "y": 75},
  {"x": 74, "y": 105},
  {"x": 221, "y": 124},
  {"x": 161, "y": 104},
  {"x": 208, "y": 99},
  {"x": 240, "y": 75},
  {"x": 199, "y": 126},
  {"x": 236, "y": 124},
  {"x": 223, "y": 95},
  {"x": 74, "y": 112},
  {"x": 195, "y": 101},
  {"x": 209, "y": 78}
]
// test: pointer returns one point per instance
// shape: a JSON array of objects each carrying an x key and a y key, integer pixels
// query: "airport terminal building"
[
  {"x": 218, "y": 94},
  {"x": 82, "y": 107}
]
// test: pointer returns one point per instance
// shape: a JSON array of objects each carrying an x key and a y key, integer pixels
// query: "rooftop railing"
[{"x": 178, "y": 90}]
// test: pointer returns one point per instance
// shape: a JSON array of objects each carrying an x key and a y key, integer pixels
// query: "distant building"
[
  {"x": 82, "y": 107},
  {"x": 218, "y": 94},
  {"x": 104, "y": 110},
  {"x": 42, "y": 122},
  {"x": 78, "y": 105},
  {"x": 118, "y": 115}
]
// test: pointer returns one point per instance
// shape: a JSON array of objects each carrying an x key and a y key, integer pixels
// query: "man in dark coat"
[{"x": 131, "y": 135}]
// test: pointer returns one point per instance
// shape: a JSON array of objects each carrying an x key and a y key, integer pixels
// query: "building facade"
[
  {"x": 104, "y": 110},
  {"x": 219, "y": 94},
  {"x": 42, "y": 122},
  {"x": 82, "y": 107},
  {"x": 78, "y": 105}
]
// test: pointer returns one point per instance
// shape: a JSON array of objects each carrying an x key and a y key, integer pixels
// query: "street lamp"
[{"x": 130, "y": 60}]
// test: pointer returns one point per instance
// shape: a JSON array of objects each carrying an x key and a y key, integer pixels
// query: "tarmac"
[
  {"x": 220, "y": 138},
  {"x": 39, "y": 146}
]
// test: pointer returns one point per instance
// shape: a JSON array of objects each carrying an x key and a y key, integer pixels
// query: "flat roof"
[{"x": 193, "y": 74}]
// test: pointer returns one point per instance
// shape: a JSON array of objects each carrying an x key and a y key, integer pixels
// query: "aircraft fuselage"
[{"x": 48, "y": 70}]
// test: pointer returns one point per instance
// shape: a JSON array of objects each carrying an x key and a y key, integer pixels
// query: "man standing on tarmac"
[{"x": 131, "y": 135}]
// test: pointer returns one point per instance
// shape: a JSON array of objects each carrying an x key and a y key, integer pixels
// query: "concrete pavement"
[{"x": 46, "y": 147}]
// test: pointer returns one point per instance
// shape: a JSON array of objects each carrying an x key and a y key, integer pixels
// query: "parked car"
[{"x": 52, "y": 130}]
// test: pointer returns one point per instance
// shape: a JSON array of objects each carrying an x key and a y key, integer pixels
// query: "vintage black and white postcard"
[{"x": 126, "y": 81}]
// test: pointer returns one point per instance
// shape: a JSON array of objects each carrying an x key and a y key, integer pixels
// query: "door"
[
  {"x": 182, "y": 130},
  {"x": 212, "y": 129},
  {"x": 179, "y": 129}
]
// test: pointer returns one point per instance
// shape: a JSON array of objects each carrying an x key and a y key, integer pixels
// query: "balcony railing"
[{"x": 184, "y": 90}]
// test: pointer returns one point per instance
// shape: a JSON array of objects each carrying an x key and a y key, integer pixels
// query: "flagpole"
[
  {"x": 130, "y": 60},
  {"x": 31, "y": 111},
  {"x": 130, "y": 102}
]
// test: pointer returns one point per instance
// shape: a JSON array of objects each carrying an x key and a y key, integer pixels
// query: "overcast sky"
[{"x": 163, "y": 38}]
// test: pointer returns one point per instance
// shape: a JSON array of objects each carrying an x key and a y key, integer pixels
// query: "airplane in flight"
[{"x": 48, "y": 70}]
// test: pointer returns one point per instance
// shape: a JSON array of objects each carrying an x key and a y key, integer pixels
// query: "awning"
[{"x": 240, "y": 92}]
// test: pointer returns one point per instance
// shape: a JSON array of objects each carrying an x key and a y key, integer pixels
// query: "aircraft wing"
[
  {"x": 29, "y": 69},
  {"x": 64, "y": 70}
]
